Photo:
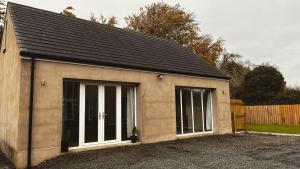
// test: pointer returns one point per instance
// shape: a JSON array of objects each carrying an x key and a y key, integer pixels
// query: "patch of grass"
[{"x": 289, "y": 129}]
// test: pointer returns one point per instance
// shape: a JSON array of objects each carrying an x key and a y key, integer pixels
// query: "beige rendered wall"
[
  {"x": 156, "y": 114},
  {"x": 10, "y": 67},
  {"x": 156, "y": 102}
]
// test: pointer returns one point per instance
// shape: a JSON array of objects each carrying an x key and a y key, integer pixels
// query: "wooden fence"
[
  {"x": 273, "y": 114},
  {"x": 237, "y": 115}
]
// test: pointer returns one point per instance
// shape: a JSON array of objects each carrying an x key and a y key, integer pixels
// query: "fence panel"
[{"x": 273, "y": 114}]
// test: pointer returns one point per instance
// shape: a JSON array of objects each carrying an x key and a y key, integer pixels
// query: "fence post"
[
  {"x": 233, "y": 120},
  {"x": 245, "y": 122}
]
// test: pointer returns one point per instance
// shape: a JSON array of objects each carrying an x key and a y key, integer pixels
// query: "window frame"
[{"x": 192, "y": 91}]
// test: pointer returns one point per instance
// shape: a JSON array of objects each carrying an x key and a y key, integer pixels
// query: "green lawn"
[{"x": 274, "y": 128}]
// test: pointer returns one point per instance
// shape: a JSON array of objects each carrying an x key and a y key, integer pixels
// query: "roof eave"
[{"x": 82, "y": 61}]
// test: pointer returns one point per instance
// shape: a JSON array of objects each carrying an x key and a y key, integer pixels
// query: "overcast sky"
[{"x": 260, "y": 30}]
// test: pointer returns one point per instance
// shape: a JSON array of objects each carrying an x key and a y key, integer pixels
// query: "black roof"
[{"x": 53, "y": 36}]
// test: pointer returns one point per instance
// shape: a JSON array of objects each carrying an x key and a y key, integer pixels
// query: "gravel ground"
[{"x": 228, "y": 151}]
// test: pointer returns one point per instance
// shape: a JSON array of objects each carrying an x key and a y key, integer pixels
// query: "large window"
[{"x": 193, "y": 110}]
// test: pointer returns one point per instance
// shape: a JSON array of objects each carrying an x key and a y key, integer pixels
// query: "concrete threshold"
[
  {"x": 192, "y": 135},
  {"x": 102, "y": 146}
]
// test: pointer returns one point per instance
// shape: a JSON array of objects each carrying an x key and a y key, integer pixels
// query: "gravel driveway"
[{"x": 228, "y": 151}]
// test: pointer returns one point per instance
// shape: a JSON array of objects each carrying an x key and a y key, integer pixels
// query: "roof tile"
[{"x": 54, "y": 36}]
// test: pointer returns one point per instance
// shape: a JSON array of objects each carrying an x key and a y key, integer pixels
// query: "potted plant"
[
  {"x": 65, "y": 142},
  {"x": 133, "y": 137}
]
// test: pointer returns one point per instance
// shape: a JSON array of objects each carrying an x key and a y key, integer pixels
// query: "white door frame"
[{"x": 101, "y": 115}]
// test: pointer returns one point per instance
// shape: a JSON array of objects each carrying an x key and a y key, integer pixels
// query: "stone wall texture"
[{"x": 10, "y": 73}]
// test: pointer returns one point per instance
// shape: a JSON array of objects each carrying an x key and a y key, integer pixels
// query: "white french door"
[{"x": 99, "y": 114}]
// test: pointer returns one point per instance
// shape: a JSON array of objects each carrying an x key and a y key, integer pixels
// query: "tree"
[
  {"x": 68, "y": 11},
  {"x": 2, "y": 11},
  {"x": 288, "y": 96},
  {"x": 110, "y": 21},
  {"x": 262, "y": 85},
  {"x": 207, "y": 49},
  {"x": 173, "y": 22},
  {"x": 231, "y": 65},
  {"x": 2, "y": 16},
  {"x": 93, "y": 18}
]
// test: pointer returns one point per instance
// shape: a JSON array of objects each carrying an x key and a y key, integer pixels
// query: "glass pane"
[
  {"x": 70, "y": 131},
  {"x": 178, "y": 111},
  {"x": 71, "y": 90},
  {"x": 207, "y": 110},
  {"x": 128, "y": 111},
  {"x": 91, "y": 114},
  {"x": 198, "y": 122},
  {"x": 110, "y": 113},
  {"x": 187, "y": 111}
]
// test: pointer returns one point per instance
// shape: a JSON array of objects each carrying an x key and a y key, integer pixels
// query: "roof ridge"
[{"x": 97, "y": 23}]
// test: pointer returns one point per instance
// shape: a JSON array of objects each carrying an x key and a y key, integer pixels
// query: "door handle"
[{"x": 101, "y": 115}]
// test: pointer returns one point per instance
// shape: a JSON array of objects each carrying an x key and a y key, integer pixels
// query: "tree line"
[{"x": 254, "y": 84}]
